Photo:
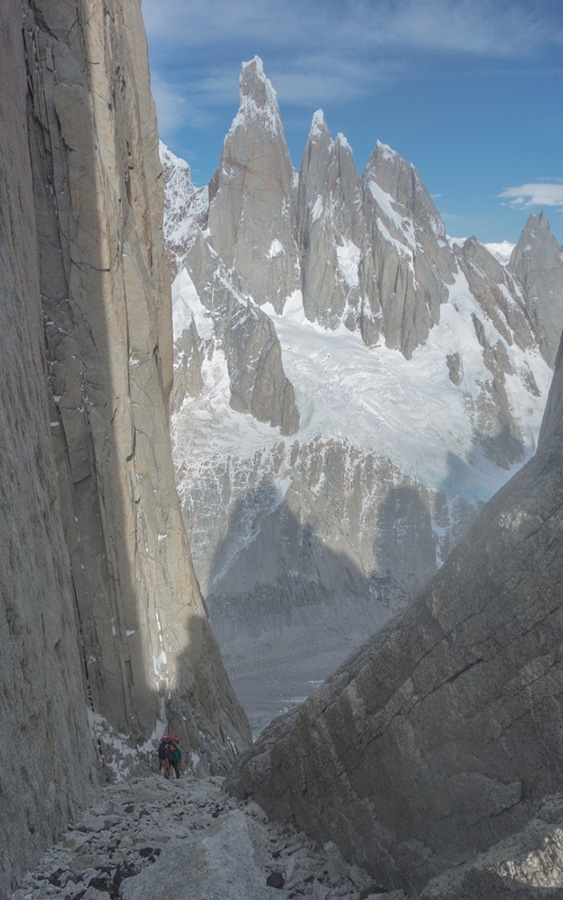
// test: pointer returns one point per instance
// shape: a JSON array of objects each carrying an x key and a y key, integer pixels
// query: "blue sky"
[{"x": 469, "y": 91}]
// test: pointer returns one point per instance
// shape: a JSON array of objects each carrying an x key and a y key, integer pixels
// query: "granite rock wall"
[{"x": 100, "y": 603}]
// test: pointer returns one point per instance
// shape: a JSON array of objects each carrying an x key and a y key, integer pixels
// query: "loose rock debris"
[{"x": 149, "y": 838}]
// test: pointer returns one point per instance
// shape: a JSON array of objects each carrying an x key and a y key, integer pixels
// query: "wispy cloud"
[
  {"x": 503, "y": 28},
  {"x": 315, "y": 50},
  {"x": 529, "y": 195},
  {"x": 174, "y": 107}
]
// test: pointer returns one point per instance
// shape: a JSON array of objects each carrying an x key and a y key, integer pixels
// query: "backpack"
[{"x": 164, "y": 748}]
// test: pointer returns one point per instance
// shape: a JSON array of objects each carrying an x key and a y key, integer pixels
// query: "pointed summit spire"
[
  {"x": 251, "y": 212},
  {"x": 536, "y": 262},
  {"x": 318, "y": 125},
  {"x": 258, "y": 100}
]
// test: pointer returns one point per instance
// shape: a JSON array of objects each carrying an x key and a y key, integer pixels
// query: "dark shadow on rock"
[
  {"x": 287, "y": 609},
  {"x": 86, "y": 238},
  {"x": 440, "y": 738},
  {"x": 404, "y": 546},
  {"x": 277, "y": 589}
]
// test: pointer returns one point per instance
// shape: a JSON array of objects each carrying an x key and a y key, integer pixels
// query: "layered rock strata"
[
  {"x": 439, "y": 737},
  {"x": 101, "y": 602}
]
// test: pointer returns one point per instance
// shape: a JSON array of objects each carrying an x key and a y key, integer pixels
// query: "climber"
[
  {"x": 169, "y": 754},
  {"x": 175, "y": 756}
]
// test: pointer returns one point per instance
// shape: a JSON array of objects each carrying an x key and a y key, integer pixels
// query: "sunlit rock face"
[
  {"x": 101, "y": 605},
  {"x": 408, "y": 265},
  {"x": 440, "y": 738},
  {"x": 536, "y": 262},
  {"x": 351, "y": 384},
  {"x": 251, "y": 210}
]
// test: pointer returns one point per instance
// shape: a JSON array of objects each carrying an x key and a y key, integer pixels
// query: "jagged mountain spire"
[
  {"x": 328, "y": 204},
  {"x": 251, "y": 214},
  {"x": 537, "y": 263},
  {"x": 408, "y": 263},
  {"x": 258, "y": 99}
]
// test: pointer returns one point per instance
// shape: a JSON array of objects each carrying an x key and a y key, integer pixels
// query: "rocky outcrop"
[
  {"x": 440, "y": 736},
  {"x": 251, "y": 209},
  {"x": 408, "y": 265},
  {"x": 240, "y": 333},
  {"x": 330, "y": 227},
  {"x": 536, "y": 262},
  {"x": 101, "y": 604},
  {"x": 185, "y": 208}
]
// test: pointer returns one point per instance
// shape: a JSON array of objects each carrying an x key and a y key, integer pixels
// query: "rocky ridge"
[{"x": 412, "y": 371}]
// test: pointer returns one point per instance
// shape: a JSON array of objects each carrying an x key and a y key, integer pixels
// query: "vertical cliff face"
[
  {"x": 43, "y": 719},
  {"x": 251, "y": 214},
  {"x": 99, "y": 592},
  {"x": 407, "y": 265},
  {"x": 536, "y": 261},
  {"x": 329, "y": 226}
]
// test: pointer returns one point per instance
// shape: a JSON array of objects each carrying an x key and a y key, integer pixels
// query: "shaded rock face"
[
  {"x": 100, "y": 600},
  {"x": 439, "y": 737},
  {"x": 326, "y": 560},
  {"x": 42, "y": 686}
]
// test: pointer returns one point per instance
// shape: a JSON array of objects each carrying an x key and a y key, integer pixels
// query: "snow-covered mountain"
[{"x": 351, "y": 384}]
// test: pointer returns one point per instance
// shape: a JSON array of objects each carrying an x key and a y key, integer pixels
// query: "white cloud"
[
  {"x": 322, "y": 51},
  {"x": 503, "y": 28},
  {"x": 529, "y": 195},
  {"x": 173, "y": 106}
]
